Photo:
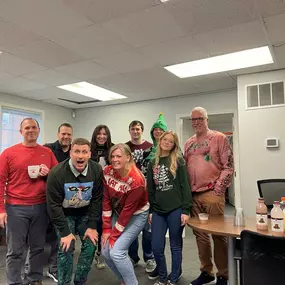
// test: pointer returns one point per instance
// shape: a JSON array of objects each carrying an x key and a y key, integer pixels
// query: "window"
[{"x": 10, "y": 124}]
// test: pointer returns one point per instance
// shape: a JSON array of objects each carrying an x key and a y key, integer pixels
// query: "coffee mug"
[{"x": 33, "y": 171}]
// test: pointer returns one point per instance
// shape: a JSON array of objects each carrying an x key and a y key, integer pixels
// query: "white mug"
[{"x": 33, "y": 171}]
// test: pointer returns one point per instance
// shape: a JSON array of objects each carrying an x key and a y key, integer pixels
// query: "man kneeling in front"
[{"x": 74, "y": 197}]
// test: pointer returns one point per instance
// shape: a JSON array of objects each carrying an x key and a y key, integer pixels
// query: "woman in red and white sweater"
[{"x": 125, "y": 211}]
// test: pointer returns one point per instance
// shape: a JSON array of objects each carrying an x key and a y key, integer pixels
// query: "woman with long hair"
[
  {"x": 125, "y": 211},
  {"x": 100, "y": 146},
  {"x": 170, "y": 202}
]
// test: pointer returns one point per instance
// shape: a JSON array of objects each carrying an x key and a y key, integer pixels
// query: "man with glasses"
[{"x": 209, "y": 160}]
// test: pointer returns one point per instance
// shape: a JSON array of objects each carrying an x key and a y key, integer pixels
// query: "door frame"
[{"x": 179, "y": 130}]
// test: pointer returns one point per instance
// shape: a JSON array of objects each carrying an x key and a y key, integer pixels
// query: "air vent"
[
  {"x": 79, "y": 103},
  {"x": 267, "y": 94}
]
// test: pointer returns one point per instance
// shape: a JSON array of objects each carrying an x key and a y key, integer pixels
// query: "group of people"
[{"x": 107, "y": 195}]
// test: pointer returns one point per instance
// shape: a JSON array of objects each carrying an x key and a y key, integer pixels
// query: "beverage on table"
[
  {"x": 261, "y": 215},
  {"x": 282, "y": 206},
  {"x": 277, "y": 219}
]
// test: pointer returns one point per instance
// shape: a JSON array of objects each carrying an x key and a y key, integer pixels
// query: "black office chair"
[
  {"x": 263, "y": 259},
  {"x": 271, "y": 190}
]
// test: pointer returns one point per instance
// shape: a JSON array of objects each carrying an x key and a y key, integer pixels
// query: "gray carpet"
[{"x": 190, "y": 265}]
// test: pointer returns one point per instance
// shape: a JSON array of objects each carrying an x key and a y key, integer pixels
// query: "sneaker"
[
  {"x": 150, "y": 265},
  {"x": 99, "y": 265},
  {"x": 36, "y": 283},
  {"x": 170, "y": 283},
  {"x": 180, "y": 275},
  {"x": 159, "y": 283},
  {"x": 221, "y": 281},
  {"x": 153, "y": 275},
  {"x": 53, "y": 276},
  {"x": 25, "y": 280},
  {"x": 203, "y": 279}
]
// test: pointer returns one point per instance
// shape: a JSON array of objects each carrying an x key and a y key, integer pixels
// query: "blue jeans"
[
  {"x": 117, "y": 258},
  {"x": 159, "y": 226},
  {"x": 146, "y": 245}
]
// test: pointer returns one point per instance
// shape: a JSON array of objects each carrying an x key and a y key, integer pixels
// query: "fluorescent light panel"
[
  {"x": 92, "y": 91},
  {"x": 226, "y": 62}
]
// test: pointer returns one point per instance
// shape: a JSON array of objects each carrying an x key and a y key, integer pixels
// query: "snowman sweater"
[{"x": 124, "y": 197}]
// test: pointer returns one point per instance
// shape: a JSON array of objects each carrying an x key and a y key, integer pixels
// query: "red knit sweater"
[
  {"x": 20, "y": 188},
  {"x": 129, "y": 193}
]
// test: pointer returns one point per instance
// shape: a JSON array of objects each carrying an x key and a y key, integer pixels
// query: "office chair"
[
  {"x": 271, "y": 190},
  {"x": 263, "y": 259}
]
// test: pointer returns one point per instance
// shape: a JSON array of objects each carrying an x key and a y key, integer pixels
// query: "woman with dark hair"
[{"x": 100, "y": 146}]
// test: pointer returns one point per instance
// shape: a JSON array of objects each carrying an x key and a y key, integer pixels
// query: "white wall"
[
  {"x": 118, "y": 117},
  {"x": 257, "y": 162},
  {"x": 53, "y": 115}
]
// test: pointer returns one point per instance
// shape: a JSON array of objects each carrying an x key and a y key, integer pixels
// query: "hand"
[
  {"x": 184, "y": 219},
  {"x": 150, "y": 219},
  {"x": 3, "y": 220},
  {"x": 65, "y": 242},
  {"x": 92, "y": 234},
  {"x": 105, "y": 238},
  {"x": 44, "y": 170}
]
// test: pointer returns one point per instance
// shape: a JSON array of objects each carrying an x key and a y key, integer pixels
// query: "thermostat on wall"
[{"x": 272, "y": 142}]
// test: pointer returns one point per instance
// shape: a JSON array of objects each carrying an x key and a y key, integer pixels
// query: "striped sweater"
[{"x": 124, "y": 196}]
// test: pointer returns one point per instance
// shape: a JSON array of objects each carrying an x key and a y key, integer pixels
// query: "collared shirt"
[{"x": 75, "y": 172}]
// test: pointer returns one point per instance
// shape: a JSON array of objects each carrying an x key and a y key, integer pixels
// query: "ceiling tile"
[
  {"x": 231, "y": 39},
  {"x": 271, "y": 7},
  {"x": 51, "y": 77},
  {"x": 17, "y": 66},
  {"x": 199, "y": 16},
  {"x": 275, "y": 28},
  {"x": 85, "y": 70},
  {"x": 12, "y": 36},
  {"x": 16, "y": 84},
  {"x": 54, "y": 17},
  {"x": 47, "y": 53},
  {"x": 146, "y": 27},
  {"x": 97, "y": 41},
  {"x": 175, "y": 51},
  {"x": 126, "y": 61}
]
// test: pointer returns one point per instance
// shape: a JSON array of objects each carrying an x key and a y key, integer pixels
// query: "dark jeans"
[
  {"x": 99, "y": 230},
  {"x": 25, "y": 223},
  {"x": 146, "y": 245},
  {"x": 76, "y": 224},
  {"x": 160, "y": 224}
]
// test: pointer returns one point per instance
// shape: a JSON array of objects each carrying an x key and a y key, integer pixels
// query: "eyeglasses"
[{"x": 200, "y": 119}]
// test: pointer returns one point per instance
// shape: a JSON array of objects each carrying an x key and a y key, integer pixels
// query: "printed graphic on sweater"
[
  {"x": 161, "y": 179},
  {"x": 138, "y": 155},
  {"x": 77, "y": 194}
]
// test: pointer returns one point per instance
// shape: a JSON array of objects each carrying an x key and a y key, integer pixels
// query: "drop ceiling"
[{"x": 122, "y": 45}]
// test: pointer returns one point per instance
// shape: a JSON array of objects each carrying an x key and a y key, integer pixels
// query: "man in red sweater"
[{"x": 23, "y": 171}]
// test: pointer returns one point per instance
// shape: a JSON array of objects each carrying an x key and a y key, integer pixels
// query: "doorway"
[{"x": 225, "y": 122}]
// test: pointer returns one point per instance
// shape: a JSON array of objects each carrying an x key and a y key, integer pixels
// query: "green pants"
[{"x": 76, "y": 225}]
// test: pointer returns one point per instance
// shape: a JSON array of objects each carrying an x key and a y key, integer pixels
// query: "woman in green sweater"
[{"x": 170, "y": 203}]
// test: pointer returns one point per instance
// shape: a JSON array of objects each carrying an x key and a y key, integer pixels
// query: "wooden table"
[{"x": 224, "y": 226}]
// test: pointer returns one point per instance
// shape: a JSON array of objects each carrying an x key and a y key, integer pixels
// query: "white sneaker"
[{"x": 150, "y": 265}]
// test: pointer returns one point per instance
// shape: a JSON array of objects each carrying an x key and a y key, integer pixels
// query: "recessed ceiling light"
[
  {"x": 92, "y": 91},
  {"x": 164, "y": 1},
  {"x": 226, "y": 62}
]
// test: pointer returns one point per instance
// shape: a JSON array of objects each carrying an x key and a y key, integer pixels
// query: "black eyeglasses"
[{"x": 200, "y": 119}]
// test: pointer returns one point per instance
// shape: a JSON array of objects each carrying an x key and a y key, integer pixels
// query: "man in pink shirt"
[
  {"x": 209, "y": 160},
  {"x": 23, "y": 171}
]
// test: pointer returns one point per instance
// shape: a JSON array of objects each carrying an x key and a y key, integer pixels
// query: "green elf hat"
[{"x": 159, "y": 123}]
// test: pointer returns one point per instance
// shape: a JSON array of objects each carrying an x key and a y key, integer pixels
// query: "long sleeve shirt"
[
  {"x": 123, "y": 196},
  {"x": 15, "y": 181},
  {"x": 166, "y": 192},
  {"x": 210, "y": 164},
  {"x": 70, "y": 193}
]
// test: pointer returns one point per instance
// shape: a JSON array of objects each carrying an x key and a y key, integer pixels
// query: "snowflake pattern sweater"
[{"x": 123, "y": 196}]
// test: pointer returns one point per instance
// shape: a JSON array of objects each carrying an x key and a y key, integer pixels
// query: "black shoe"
[
  {"x": 180, "y": 275},
  {"x": 153, "y": 275},
  {"x": 221, "y": 281},
  {"x": 53, "y": 276},
  {"x": 203, "y": 279}
]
